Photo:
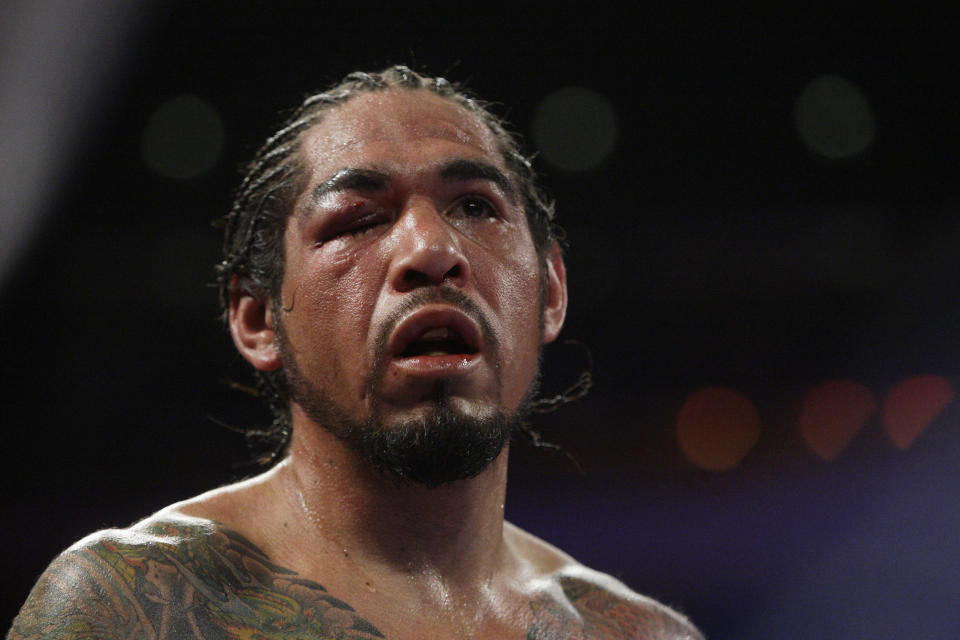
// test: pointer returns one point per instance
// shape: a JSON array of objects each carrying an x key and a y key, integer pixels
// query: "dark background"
[{"x": 712, "y": 247}]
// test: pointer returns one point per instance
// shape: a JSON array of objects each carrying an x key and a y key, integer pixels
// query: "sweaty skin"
[
  {"x": 194, "y": 578},
  {"x": 403, "y": 192}
]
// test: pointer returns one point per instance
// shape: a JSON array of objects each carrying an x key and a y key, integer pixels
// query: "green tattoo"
[
  {"x": 181, "y": 581},
  {"x": 602, "y": 616},
  {"x": 194, "y": 579}
]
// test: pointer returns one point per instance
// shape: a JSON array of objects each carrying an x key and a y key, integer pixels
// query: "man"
[{"x": 391, "y": 273}]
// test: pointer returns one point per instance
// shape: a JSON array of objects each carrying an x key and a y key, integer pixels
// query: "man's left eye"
[{"x": 474, "y": 207}]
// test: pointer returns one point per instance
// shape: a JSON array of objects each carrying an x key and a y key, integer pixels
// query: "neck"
[{"x": 454, "y": 531}]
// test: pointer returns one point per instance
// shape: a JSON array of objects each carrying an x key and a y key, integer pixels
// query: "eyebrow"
[
  {"x": 458, "y": 170},
  {"x": 461, "y": 170},
  {"x": 352, "y": 180}
]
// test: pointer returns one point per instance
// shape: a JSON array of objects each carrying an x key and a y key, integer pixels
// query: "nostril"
[
  {"x": 415, "y": 278},
  {"x": 423, "y": 263}
]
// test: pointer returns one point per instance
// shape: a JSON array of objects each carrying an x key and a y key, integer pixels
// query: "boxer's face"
[{"x": 411, "y": 284}]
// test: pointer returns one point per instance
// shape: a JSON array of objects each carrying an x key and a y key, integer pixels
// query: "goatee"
[{"x": 440, "y": 443}]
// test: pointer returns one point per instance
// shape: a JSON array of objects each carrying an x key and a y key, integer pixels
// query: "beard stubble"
[{"x": 442, "y": 443}]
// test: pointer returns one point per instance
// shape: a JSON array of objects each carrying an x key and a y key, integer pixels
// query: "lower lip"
[{"x": 436, "y": 366}]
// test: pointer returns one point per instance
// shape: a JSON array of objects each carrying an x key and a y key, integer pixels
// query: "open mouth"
[
  {"x": 436, "y": 332},
  {"x": 438, "y": 341}
]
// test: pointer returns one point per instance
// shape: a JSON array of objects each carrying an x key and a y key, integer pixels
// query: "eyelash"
[
  {"x": 489, "y": 210},
  {"x": 368, "y": 221},
  {"x": 363, "y": 224}
]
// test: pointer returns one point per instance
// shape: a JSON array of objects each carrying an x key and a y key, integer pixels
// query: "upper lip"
[{"x": 432, "y": 317}]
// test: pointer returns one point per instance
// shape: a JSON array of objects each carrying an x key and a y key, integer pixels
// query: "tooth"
[{"x": 437, "y": 333}]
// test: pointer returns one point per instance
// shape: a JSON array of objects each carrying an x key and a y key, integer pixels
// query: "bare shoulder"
[
  {"x": 581, "y": 603},
  {"x": 177, "y": 577},
  {"x": 95, "y": 588},
  {"x": 608, "y": 609}
]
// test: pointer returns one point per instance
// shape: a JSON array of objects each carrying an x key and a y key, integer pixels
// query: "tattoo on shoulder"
[
  {"x": 205, "y": 582},
  {"x": 187, "y": 581},
  {"x": 598, "y": 614}
]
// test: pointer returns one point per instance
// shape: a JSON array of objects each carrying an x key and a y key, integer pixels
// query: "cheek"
[
  {"x": 514, "y": 296},
  {"x": 343, "y": 284},
  {"x": 512, "y": 281},
  {"x": 334, "y": 300}
]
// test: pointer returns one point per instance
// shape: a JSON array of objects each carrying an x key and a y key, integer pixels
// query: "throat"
[{"x": 399, "y": 527}]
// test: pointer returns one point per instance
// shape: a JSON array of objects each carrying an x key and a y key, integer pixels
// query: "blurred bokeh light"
[
  {"x": 717, "y": 427},
  {"x": 834, "y": 117},
  {"x": 575, "y": 128},
  {"x": 184, "y": 138},
  {"x": 912, "y": 404},
  {"x": 832, "y": 413}
]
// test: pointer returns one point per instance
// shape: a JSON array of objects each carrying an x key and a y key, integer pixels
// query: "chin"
[
  {"x": 440, "y": 440},
  {"x": 439, "y": 406},
  {"x": 446, "y": 440}
]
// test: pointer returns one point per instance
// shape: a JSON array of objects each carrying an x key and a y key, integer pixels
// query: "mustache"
[{"x": 433, "y": 295}]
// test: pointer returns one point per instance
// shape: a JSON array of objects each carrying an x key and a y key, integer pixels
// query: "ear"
[
  {"x": 555, "y": 295},
  {"x": 251, "y": 325}
]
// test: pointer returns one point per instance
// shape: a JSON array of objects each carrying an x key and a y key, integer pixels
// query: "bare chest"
[{"x": 220, "y": 586}]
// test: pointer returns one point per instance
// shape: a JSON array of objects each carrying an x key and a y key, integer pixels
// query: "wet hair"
[{"x": 254, "y": 228}]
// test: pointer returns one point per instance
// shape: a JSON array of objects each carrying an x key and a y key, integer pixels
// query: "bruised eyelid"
[{"x": 328, "y": 220}]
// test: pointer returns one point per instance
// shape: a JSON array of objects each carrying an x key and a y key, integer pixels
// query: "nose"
[{"x": 427, "y": 250}]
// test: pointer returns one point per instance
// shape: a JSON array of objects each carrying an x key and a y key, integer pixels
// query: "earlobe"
[
  {"x": 555, "y": 295},
  {"x": 252, "y": 328}
]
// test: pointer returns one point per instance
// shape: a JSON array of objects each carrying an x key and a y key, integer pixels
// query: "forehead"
[{"x": 396, "y": 127}]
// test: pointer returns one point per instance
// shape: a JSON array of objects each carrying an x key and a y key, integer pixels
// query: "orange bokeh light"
[
  {"x": 831, "y": 415},
  {"x": 717, "y": 427},
  {"x": 912, "y": 404}
]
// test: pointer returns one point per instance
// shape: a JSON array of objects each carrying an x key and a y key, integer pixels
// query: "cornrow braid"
[{"x": 253, "y": 256}]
